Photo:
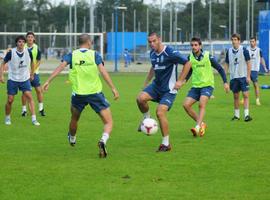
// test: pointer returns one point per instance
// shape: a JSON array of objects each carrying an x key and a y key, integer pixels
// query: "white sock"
[
  {"x": 40, "y": 106},
  {"x": 237, "y": 113},
  {"x": 24, "y": 108},
  {"x": 165, "y": 140},
  {"x": 34, "y": 118},
  {"x": 197, "y": 127},
  {"x": 146, "y": 115},
  {"x": 105, "y": 137},
  {"x": 7, "y": 117},
  {"x": 246, "y": 112},
  {"x": 72, "y": 138}
]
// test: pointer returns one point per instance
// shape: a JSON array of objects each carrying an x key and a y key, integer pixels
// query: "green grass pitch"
[{"x": 232, "y": 160}]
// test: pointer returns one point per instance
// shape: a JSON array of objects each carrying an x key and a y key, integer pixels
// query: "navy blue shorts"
[
  {"x": 164, "y": 98},
  {"x": 196, "y": 93},
  {"x": 239, "y": 84},
  {"x": 36, "y": 81},
  {"x": 13, "y": 86},
  {"x": 97, "y": 102},
  {"x": 254, "y": 76}
]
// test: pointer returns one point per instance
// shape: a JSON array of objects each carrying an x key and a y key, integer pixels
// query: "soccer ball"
[{"x": 149, "y": 126}]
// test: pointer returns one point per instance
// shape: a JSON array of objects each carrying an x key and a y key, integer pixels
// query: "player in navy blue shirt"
[{"x": 162, "y": 90}]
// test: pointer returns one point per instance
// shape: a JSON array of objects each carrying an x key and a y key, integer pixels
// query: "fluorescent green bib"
[
  {"x": 84, "y": 74},
  {"x": 202, "y": 74},
  {"x": 34, "y": 52}
]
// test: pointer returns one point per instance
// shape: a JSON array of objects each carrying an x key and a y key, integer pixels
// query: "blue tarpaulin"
[{"x": 264, "y": 35}]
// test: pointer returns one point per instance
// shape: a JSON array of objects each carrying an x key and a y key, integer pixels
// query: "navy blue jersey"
[{"x": 165, "y": 67}]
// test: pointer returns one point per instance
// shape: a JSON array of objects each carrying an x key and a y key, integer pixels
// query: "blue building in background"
[
  {"x": 264, "y": 35},
  {"x": 132, "y": 41}
]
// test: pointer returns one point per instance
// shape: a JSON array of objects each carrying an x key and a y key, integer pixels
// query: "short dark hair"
[
  {"x": 83, "y": 38},
  {"x": 253, "y": 38},
  {"x": 236, "y": 35},
  {"x": 30, "y": 33},
  {"x": 153, "y": 33},
  {"x": 196, "y": 39},
  {"x": 20, "y": 37}
]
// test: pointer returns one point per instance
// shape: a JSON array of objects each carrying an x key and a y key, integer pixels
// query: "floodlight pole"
[
  {"x": 230, "y": 17},
  {"x": 91, "y": 16},
  {"x": 115, "y": 38},
  {"x": 252, "y": 18},
  {"x": 75, "y": 23},
  {"x": 210, "y": 26},
  {"x": 171, "y": 25},
  {"x": 192, "y": 13},
  {"x": 147, "y": 26},
  {"x": 248, "y": 20},
  {"x": 134, "y": 35},
  {"x": 161, "y": 20},
  {"x": 234, "y": 16},
  {"x": 70, "y": 25}
]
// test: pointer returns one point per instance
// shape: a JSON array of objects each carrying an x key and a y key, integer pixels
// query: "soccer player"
[
  {"x": 164, "y": 62},
  {"x": 202, "y": 83},
  {"x": 85, "y": 66},
  {"x": 20, "y": 61},
  {"x": 256, "y": 59},
  {"x": 238, "y": 62},
  {"x": 36, "y": 53}
]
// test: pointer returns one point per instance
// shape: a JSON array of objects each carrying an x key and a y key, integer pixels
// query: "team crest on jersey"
[
  {"x": 21, "y": 65},
  {"x": 162, "y": 59},
  {"x": 157, "y": 67},
  {"x": 82, "y": 62},
  {"x": 236, "y": 62}
]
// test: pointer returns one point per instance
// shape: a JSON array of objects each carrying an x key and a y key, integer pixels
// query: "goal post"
[{"x": 54, "y": 40}]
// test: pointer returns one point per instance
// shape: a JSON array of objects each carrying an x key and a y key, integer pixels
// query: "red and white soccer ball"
[{"x": 149, "y": 126}]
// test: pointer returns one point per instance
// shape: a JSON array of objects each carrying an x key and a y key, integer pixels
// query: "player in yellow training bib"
[{"x": 85, "y": 66}]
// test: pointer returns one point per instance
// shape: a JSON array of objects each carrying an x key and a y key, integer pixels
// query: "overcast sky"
[{"x": 147, "y": 1}]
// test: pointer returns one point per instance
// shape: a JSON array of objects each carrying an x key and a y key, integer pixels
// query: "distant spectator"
[{"x": 127, "y": 58}]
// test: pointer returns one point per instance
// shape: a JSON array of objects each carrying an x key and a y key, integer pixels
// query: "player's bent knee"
[
  {"x": 245, "y": 95},
  {"x": 10, "y": 100},
  {"x": 141, "y": 100},
  {"x": 186, "y": 105},
  {"x": 160, "y": 113}
]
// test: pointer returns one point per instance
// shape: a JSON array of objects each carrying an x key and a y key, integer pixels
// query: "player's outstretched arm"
[
  {"x": 221, "y": 72},
  {"x": 264, "y": 65},
  {"x": 149, "y": 77},
  {"x": 54, "y": 74},
  {"x": 182, "y": 77},
  {"x": 248, "y": 70},
  {"x": 2, "y": 72},
  {"x": 108, "y": 80}
]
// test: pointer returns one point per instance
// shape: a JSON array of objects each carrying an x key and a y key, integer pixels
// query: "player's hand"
[
  {"x": 248, "y": 80},
  {"x": 178, "y": 85},
  {"x": 115, "y": 94},
  {"x": 45, "y": 86},
  {"x": 31, "y": 77},
  {"x": 2, "y": 80},
  {"x": 226, "y": 87}
]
